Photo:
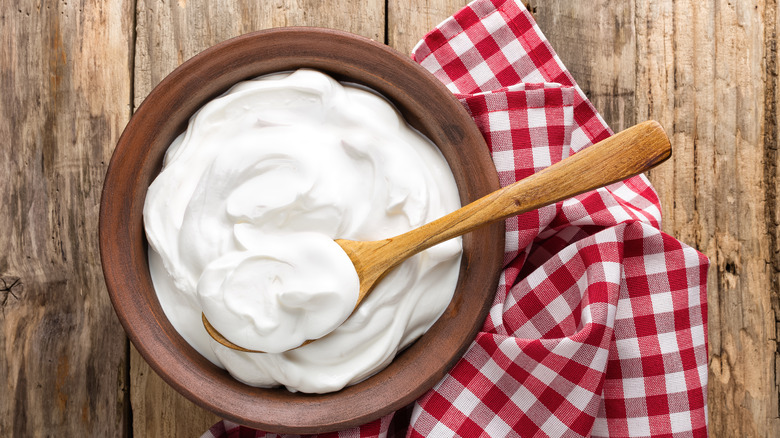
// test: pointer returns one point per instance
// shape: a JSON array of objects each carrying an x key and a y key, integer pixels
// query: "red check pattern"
[{"x": 599, "y": 324}]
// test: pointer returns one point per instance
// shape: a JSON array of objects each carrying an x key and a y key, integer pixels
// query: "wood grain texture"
[
  {"x": 65, "y": 80},
  {"x": 158, "y": 410},
  {"x": 168, "y": 34},
  {"x": 708, "y": 72},
  {"x": 171, "y": 32},
  {"x": 408, "y": 21}
]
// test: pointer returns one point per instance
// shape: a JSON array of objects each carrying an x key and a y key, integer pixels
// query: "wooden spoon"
[{"x": 628, "y": 153}]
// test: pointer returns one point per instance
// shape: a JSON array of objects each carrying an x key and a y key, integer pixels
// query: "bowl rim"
[{"x": 135, "y": 159}]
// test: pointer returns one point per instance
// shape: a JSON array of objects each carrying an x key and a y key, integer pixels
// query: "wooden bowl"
[{"x": 137, "y": 159}]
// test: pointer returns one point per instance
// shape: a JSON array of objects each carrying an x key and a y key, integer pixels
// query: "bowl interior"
[{"x": 137, "y": 159}]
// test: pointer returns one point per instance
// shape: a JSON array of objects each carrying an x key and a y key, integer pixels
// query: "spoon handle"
[{"x": 623, "y": 155}]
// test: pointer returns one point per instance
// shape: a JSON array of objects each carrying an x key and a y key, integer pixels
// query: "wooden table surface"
[{"x": 71, "y": 73}]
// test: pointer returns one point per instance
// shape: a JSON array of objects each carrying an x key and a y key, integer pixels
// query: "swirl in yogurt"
[{"x": 242, "y": 219}]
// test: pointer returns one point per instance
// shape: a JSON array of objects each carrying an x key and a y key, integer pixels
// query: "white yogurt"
[{"x": 242, "y": 218}]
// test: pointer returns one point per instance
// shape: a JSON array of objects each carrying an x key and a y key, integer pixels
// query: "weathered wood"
[
  {"x": 65, "y": 81},
  {"x": 169, "y": 34},
  {"x": 158, "y": 410},
  {"x": 408, "y": 21},
  {"x": 708, "y": 72},
  {"x": 597, "y": 43}
]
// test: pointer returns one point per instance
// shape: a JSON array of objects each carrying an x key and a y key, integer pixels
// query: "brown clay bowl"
[{"x": 137, "y": 159}]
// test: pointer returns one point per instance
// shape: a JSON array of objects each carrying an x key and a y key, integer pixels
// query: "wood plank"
[
  {"x": 597, "y": 44},
  {"x": 409, "y": 21},
  {"x": 65, "y": 77},
  {"x": 711, "y": 76},
  {"x": 168, "y": 34},
  {"x": 707, "y": 71}
]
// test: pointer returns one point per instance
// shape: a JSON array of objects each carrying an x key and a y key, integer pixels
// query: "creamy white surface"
[{"x": 242, "y": 218}]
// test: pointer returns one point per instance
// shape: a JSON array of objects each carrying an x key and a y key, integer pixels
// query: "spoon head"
[
  {"x": 217, "y": 336},
  {"x": 370, "y": 264},
  {"x": 214, "y": 333},
  {"x": 371, "y": 260}
]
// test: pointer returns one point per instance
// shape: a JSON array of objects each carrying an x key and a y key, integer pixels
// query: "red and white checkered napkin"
[{"x": 599, "y": 325}]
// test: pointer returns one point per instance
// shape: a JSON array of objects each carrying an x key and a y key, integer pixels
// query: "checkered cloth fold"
[{"x": 599, "y": 324}]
